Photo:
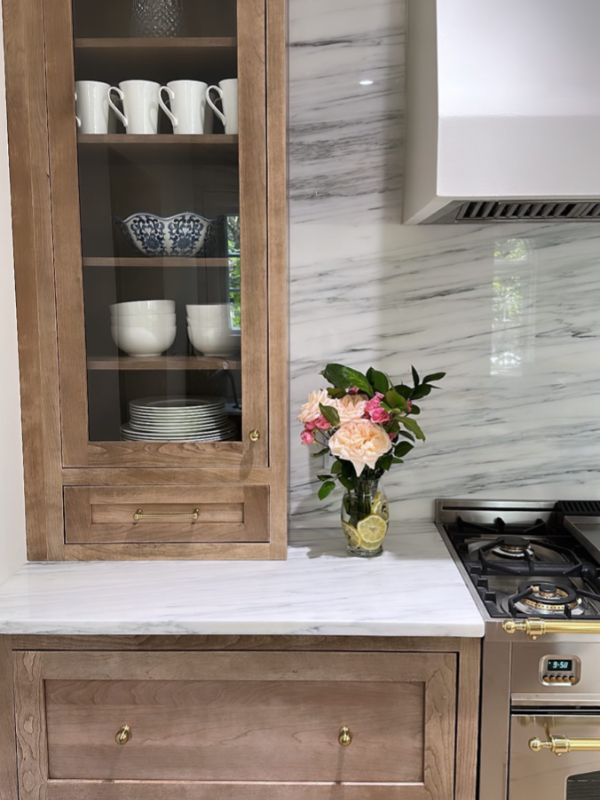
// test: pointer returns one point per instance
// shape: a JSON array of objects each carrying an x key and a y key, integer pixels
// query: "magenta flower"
[
  {"x": 353, "y": 390},
  {"x": 381, "y": 416},
  {"x": 307, "y": 437},
  {"x": 322, "y": 423}
]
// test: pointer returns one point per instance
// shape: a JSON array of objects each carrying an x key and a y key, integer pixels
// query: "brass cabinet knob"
[
  {"x": 345, "y": 737},
  {"x": 254, "y": 436},
  {"x": 123, "y": 735}
]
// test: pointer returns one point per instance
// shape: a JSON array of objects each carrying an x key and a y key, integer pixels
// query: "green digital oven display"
[{"x": 560, "y": 665}]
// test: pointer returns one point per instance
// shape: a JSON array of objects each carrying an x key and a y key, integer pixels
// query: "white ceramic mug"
[
  {"x": 93, "y": 111},
  {"x": 140, "y": 104},
  {"x": 188, "y": 110},
  {"x": 228, "y": 92}
]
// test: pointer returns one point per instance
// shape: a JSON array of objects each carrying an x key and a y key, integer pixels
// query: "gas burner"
[
  {"x": 547, "y": 599},
  {"x": 514, "y": 547}
]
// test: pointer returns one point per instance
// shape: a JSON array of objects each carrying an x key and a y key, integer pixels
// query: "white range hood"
[{"x": 503, "y": 111}]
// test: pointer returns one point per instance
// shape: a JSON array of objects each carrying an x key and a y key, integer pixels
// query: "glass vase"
[
  {"x": 157, "y": 19},
  {"x": 365, "y": 518}
]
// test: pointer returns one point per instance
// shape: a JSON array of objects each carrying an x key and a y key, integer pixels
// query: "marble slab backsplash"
[{"x": 512, "y": 313}]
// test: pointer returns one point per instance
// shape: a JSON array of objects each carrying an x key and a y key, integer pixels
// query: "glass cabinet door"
[{"x": 158, "y": 180}]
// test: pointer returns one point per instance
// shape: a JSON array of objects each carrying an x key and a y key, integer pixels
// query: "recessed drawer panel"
[
  {"x": 166, "y": 514},
  {"x": 237, "y": 725}
]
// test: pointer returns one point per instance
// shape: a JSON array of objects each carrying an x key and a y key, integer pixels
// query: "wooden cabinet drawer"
[
  {"x": 240, "y": 725},
  {"x": 166, "y": 514}
]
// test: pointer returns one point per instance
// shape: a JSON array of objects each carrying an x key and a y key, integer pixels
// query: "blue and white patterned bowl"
[{"x": 179, "y": 235}]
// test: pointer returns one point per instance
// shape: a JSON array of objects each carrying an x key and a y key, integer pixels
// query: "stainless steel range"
[{"x": 534, "y": 570}]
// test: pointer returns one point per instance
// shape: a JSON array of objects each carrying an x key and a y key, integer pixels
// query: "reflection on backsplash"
[
  {"x": 510, "y": 312},
  {"x": 514, "y": 303}
]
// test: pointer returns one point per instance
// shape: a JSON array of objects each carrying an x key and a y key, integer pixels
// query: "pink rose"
[
  {"x": 310, "y": 426},
  {"x": 322, "y": 423},
  {"x": 307, "y": 437},
  {"x": 353, "y": 390},
  {"x": 380, "y": 416},
  {"x": 373, "y": 405},
  {"x": 393, "y": 436},
  {"x": 409, "y": 406}
]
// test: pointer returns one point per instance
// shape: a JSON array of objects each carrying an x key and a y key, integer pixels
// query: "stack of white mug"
[{"x": 190, "y": 107}]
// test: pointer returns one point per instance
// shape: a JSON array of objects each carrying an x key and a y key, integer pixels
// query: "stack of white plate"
[{"x": 179, "y": 419}]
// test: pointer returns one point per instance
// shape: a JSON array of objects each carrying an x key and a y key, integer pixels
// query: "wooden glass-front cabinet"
[{"x": 147, "y": 150}]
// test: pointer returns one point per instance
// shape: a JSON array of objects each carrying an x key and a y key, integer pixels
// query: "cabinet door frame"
[
  {"x": 437, "y": 671},
  {"x": 77, "y": 450}
]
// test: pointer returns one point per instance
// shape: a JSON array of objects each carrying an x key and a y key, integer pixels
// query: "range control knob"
[
  {"x": 573, "y": 679},
  {"x": 546, "y": 678},
  {"x": 552, "y": 678}
]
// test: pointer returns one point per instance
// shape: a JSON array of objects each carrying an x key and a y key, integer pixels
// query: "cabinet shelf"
[
  {"x": 163, "y": 148},
  {"x": 207, "y": 59},
  {"x": 156, "y": 262},
  {"x": 161, "y": 363}
]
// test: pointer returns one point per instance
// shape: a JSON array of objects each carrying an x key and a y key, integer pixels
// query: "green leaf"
[
  {"x": 337, "y": 394},
  {"x": 413, "y": 427},
  {"x": 344, "y": 377},
  {"x": 321, "y": 452},
  {"x": 326, "y": 489},
  {"x": 397, "y": 461},
  {"x": 415, "y": 409},
  {"x": 402, "y": 449},
  {"x": 404, "y": 390},
  {"x": 437, "y": 376},
  {"x": 331, "y": 415},
  {"x": 420, "y": 391},
  {"x": 407, "y": 435},
  {"x": 336, "y": 469},
  {"x": 415, "y": 375},
  {"x": 324, "y": 478},
  {"x": 395, "y": 400},
  {"x": 385, "y": 462},
  {"x": 378, "y": 380},
  {"x": 346, "y": 483}
]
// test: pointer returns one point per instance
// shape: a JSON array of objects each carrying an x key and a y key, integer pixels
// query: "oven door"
[{"x": 536, "y": 772}]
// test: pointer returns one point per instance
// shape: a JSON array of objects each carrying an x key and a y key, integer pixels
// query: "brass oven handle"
[
  {"x": 560, "y": 745},
  {"x": 345, "y": 737},
  {"x": 194, "y": 515},
  {"x": 123, "y": 734},
  {"x": 538, "y": 627}
]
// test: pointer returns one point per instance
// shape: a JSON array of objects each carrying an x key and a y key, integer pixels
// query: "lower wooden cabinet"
[{"x": 240, "y": 724}]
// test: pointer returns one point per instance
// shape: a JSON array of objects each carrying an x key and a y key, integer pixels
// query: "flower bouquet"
[{"x": 367, "y": 423}]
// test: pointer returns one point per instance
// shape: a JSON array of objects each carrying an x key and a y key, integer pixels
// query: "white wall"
[{"x": 12, "y": 502}]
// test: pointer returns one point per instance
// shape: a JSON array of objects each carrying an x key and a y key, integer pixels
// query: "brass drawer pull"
[
  {"x": 538, "y": 627},
  {"x": 139, "y": 515},
  {"x": 123, "y": 734},
  {"x": 345, "y": 737},
  {"x": 560, "y": 745}
]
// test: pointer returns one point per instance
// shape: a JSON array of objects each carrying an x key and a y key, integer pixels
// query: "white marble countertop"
[{"x": 413, "y": 589}]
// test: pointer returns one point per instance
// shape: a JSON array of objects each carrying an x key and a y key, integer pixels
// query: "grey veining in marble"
[
  {"x": 413, "y": 589},
  {"x": 510, "y": 312}
]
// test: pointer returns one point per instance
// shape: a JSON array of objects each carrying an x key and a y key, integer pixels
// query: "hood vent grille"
[{"x": 533, "y": 211}]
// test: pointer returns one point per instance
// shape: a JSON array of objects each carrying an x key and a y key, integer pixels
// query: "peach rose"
[
  {"x": 310, "y": 411},
  {"x": 351, "y": 407},
  {"x": 361, "y": 442}
]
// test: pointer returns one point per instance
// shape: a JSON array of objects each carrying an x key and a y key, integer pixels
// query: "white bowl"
[
  {"x": 209, "y": 315},
  {"x": 215, "y": 342},
  {"x": 138, "y": 307},
  {"x": 145, "y": 321},
  {"x": 144, "y": 341}
]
